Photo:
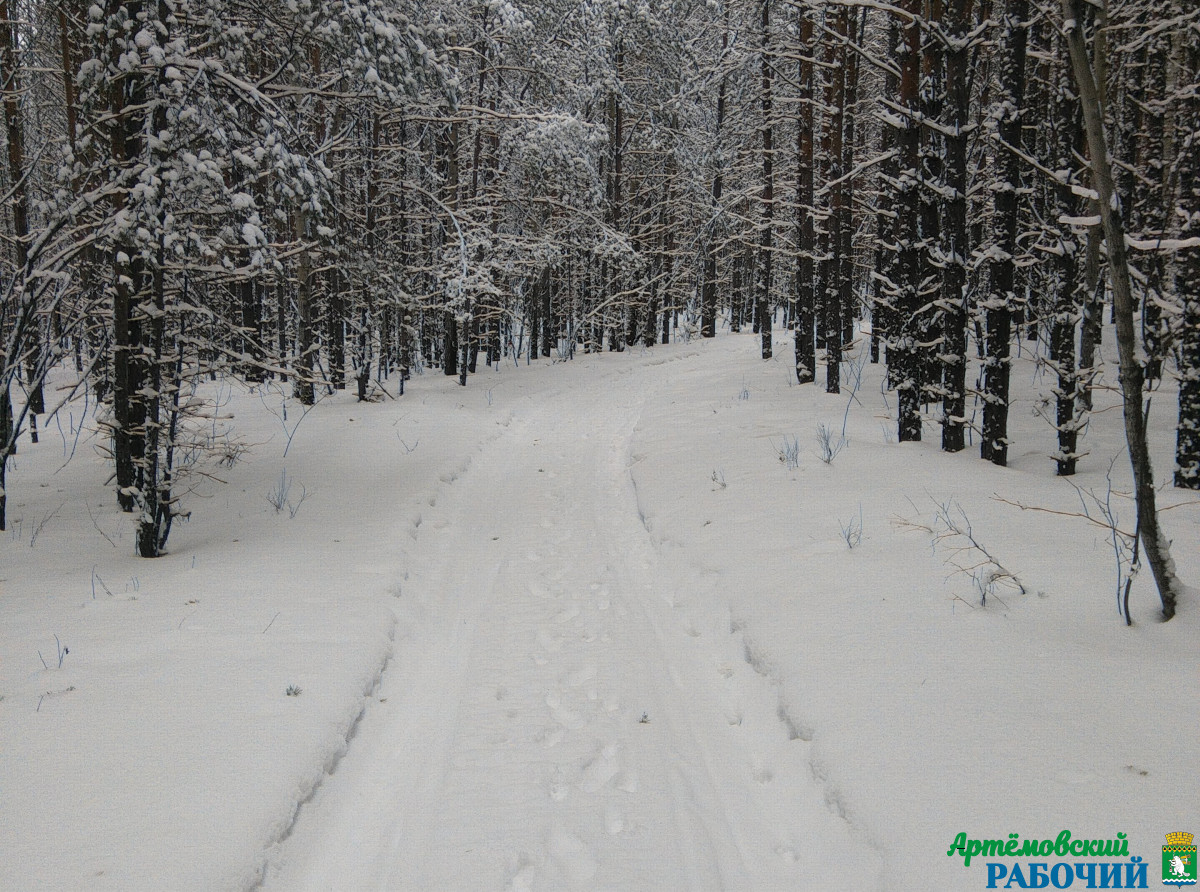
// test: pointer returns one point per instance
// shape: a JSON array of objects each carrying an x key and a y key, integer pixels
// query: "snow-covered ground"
[{"x": 580, "y": 627}]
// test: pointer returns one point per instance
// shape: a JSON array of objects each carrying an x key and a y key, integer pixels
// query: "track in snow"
[{"x": 550, "y": 721}]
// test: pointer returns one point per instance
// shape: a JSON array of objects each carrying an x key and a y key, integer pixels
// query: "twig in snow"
[
  {"x": 98, "y": 530},
  {"x": 952, "y": 528}
]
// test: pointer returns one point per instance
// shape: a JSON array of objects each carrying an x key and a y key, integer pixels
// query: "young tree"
[{"x": 1132, "y": 373}]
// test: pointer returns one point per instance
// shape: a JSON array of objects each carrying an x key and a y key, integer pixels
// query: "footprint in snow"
[
  {"x": 547, "y": 641},
  {"x": 626, "y": 781},
  {"x": 573, "y": 857},
  {"x": 568, "y": 718},
  {"x": 787, "y": 853},
  {"x": 525, "y": 871},
  {"x": 614, "y": 821},
  {"x": 581, "y": 676},
  {"x": 567, "y": 614},
  {"x": 560, "y": 789},
  {"x": 602, "y": 769}
]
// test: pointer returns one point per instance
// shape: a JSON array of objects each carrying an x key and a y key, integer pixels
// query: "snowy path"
[{"x": 550, "y": 720}]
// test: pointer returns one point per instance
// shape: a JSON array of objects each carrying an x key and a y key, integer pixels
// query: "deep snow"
[{"x": 486, "y": 590}]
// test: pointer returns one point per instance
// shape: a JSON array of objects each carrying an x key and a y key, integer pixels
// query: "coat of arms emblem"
[{"x": 1179, "y": 860}]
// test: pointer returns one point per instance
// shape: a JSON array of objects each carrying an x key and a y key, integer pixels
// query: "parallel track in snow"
[{"x": 550, "y": 721}]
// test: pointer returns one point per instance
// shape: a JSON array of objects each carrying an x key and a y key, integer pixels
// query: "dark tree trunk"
[
  {"x": 1187, "y": 435},
  {"x": 767, "y": 237},
  {"x": 832, "y": 260},
  {"x": 31, "y": 342},
  {"x": 930, "y": 172},
  {"x": 335, "y": 310},
  {"x": 449, "y": 344},
  {"x": 250, "y": 298},
  {"x": 1069, "y": 291},
  {"x": 806, "y": 301},
  {"x": 955, "y": 251},
  {"x": 281, "y": 300},
  {"x": 904, "y": 354},
  {"x": 548, "y": 326},
  {"x": 153, "y": 525},
  {"x": 306, "y": 317},
  {"x": 535, "y": 308},
  {"x": 737, "y": 277},
  {"x": 128, "y": 106},
  {"x": 884, "y": 320},
  {"x": 849, "y": 104},
  {"x": 1001, "y": 301},
  {"x": 708, "y": 301},
  {"x": 27, "y": 312}
]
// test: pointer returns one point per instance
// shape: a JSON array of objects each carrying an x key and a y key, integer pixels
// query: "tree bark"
[
  {"x": 833, "y": 269},
  {"x": 904, "y": 354},
  {"x": 19, "y": 203},
  {"x": 1000, "y": 302},
  {"x": 955, "y": 249},
  {"x": 767, "y": 238},
  {"x": 1156, "y": 546},
  {"x": 708, "y": 319},
  {"x": 1187, "y": 431},
  {"x": 805, "y": 322},
  {"x": 306, "y": 346}
]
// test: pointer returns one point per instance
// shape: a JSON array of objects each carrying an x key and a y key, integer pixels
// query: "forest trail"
[{"x": 550, "y": 720}]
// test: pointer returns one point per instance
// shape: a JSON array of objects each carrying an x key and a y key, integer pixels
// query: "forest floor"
[{"x": 605, "y": 624}]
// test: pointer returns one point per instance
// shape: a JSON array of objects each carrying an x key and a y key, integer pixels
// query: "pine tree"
[{"x": 1002, "y": 299}]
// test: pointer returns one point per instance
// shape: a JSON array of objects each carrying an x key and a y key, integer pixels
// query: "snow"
[{"x": 580, "y": 627}]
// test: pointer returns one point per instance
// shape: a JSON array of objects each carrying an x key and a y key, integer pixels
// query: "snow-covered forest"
[{"x": 770, "y": 428}]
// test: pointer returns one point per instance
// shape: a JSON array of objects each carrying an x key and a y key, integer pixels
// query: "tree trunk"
[
  {"x": 931, "y": 173},
  {"x": 956, "y": 251},
  {"x": 127, "y": 102},
  {"x": 832, "y": 262},
  {"x": 884, "y": 318},
  {"x": 548, "y": 327},
  {"x": 1069, "y": 287},
  {"x": 904, "y": 354},
  {"x": 335, "y": 328},
  {"x": 850, "y": 306},
  {"x": 449, "y": 343},
  {"x": 1156, "y": 546},
  {"x": 805, "y": 322},
  {"x": 767, "y": 237},
  {"x": 19, "y": 204},
  {"x": 1000, "y": 302},
  {"x": 306, "y": 347},
  {"x": 1187, "y": 432},
  {"x": 708, "y": 301}
]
